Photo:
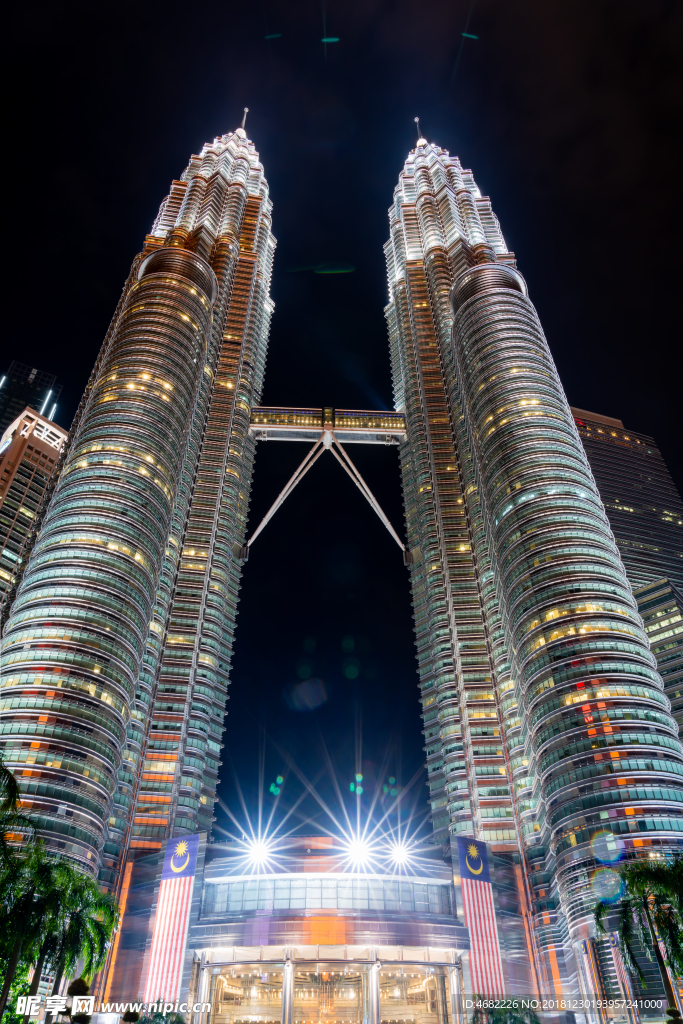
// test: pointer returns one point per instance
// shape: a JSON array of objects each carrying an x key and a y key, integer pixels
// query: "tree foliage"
[
  {"x": 52, "y": 913},
  {"x": 501, "y": 1015},
  {"x": 652, "y": 899},
  {"x": 159, "y": 1018},
  {"x": 15, "y": 826}
]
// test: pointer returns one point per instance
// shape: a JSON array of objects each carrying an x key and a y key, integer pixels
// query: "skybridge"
[
  {"x": 326, "y": 428},
  {"x": 351, "y": 426}
]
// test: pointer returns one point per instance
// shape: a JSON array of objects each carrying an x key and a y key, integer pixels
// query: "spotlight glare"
[
  {"x": 358, "y": 852},
  {"x": 259, "y": 851},
  {"x": 400, "y": 854}
]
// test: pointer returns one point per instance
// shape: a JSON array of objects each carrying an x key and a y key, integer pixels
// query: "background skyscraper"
[
  {"x": 644, "y": 508},
  {"x": 645, "y": 513},
  {"x": 29, "y": 451},
  {"x": 661, "y": 606},
  {"x": 116, "y": 652},
  {"x": 522, "y": 606},
  {"x": 22, "y": 386}
]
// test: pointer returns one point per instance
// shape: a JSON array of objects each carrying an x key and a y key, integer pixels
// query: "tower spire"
[
  {"x": 417, "y": 122},
  {"x": 244, "y": 119}
]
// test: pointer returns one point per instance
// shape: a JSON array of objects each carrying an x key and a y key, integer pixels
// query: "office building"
[
  {"x": 22, "y": 386},
  {"x": 645, "y": 512},
  {"x": 644, "y": 508},
  {"x": 29, "y": 451},
  {"x": 172, "y": 753},
  {"x": 661, "y": 606},
  {"x": 116, "y": 652},
  {"x": 544, "y": 719}
]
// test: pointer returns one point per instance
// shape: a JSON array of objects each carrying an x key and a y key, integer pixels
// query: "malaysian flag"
[
  {"x": 172, "y": 917},
  {"x": 486, "y": 967}
]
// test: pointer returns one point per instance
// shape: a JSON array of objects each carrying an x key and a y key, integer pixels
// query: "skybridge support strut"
[{"x": 326, "y": 442}]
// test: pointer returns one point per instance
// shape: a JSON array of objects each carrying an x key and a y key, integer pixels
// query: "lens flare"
[
  {"x": 358, "y": 852},
  {"x": 400, "y": 854},
  {"x": 306, "y": 696},
  {"x": 606, "y": 847},
  {"x": 607, "y": 885},
  {"x": 259, "y": 851}
]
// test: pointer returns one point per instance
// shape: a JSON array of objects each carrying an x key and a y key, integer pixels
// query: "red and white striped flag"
[
  {"x": 486, "y": 967},
  {"x": 172, "y": 918}
]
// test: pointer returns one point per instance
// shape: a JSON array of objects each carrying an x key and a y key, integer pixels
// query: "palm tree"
[
  {"x": 89, "y": 918},
  {"x": 31, "y": 901},
  {"x": 665, "y": 877},
  {"x": 13, "y": 823},
  {"x": 649, "y": 910},
  {"x": 79, "y": 927},
  {"x": 58, "y": 916}
]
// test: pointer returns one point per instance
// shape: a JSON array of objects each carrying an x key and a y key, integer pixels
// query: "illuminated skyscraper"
[
  {"x": 643, "y": 506},
  {"x": 23, "y": 386},
  {"x": 645, "y": 512},
  {"x": 116, "y": 652},
  {"x": 29, "y": 452},
  {"x": 661, "y": 606},
  {"x": 545, "y": 721}
]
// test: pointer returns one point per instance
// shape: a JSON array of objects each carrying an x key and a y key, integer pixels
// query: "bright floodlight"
[
  {"x": 259, "y": 850},
  {"x": 400, "y": 853},
  {"x": 358, "y": 851}
]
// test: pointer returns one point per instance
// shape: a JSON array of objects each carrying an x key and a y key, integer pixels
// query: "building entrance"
[{"x": 336, "y": 992}]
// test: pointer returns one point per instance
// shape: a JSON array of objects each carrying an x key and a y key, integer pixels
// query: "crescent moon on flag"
[
  {"x": 187, "y": 861},
  {"x": 472, "y": 850},
  {"x": 180, "y": 849},
  {"x": 478, "y": 871}
]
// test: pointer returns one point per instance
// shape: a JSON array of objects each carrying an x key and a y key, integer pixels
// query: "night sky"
[{"x": 569, "y": 115}]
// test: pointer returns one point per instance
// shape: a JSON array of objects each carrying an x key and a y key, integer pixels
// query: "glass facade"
[
  {"x": 644, "y": 508},
  {"x": 248, "y": 992},
  {"x": 75, "y": 637},
  {"x": 329, "y": 892},
  {"x": 359, "y": 426},
  {"x": 535, "y": 670}
]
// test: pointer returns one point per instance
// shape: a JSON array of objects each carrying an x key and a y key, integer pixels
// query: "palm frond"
[
  {"x": 668, "y": 928},
  {"x": 9, "y": 790},
  {"x": 626, "y": 919}
]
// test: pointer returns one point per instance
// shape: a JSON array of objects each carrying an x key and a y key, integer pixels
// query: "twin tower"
[{"x": 546, "y": 727}]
